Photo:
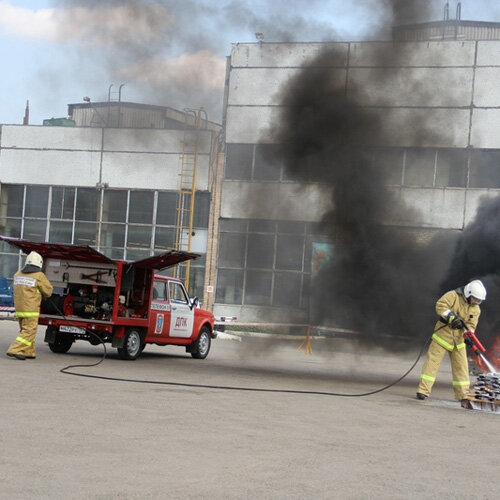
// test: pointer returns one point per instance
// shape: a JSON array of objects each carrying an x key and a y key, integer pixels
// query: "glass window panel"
[
  {"x": 389, "y": 162},
  {"x": 141, "y": 207},
  {"x": 233, "y": 225},
  {"x": 159, "y": 290},
  {"x": 291, "y": 227},
  {"x": 239, "y": 161},
  {"x": 261, "y": 226},
  {"x": 9, "y": 265},
  {"x": 176, "y": 292},
  {"x": 485, "y": 169},
  {"x": 319, "y": 228},
  {"x": 37, "y": 199},
  {"x": 419, "y": 167},
  {"x": 201, "y": 209},
  {"x": 306, "y": 283},
  {"x": 112, "y": 235},
  {"x": 60, "y": 231},
  {"x": 11, "y": 200},
  {"x": 113, "y": 253},
  {"x": 166, "y": 212},
  {"x": 232, "y": 249},
  {"x": 85, "y": 233},
  {"x": 196, "y": 281},
  {"x": 258, "y": 288},
  {"x": 63, "y": 202},
  {"x": 164, "y": 237},
  {"x": 260, "y": 250},
  {"x": 289, "y": 252},
  {"x": 87, "y": 201},
  {"x": 34, "y": 230},
  {"x": 114, "y": 206},
  {"x": 137, "y": 254},
  {"x": 286, "y": 289},
  {"x": 267, "y": 162},
  {"x": 451, "y": 168},
  {"x": 229, "y": 286},
  {"x": 139, "y": 236},
  {"x": 12, "y": 228}
]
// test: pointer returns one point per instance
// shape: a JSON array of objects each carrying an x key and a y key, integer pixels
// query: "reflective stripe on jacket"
[
  {"x": 29, "y": 288},
  {"x": 455, "y": 302}
]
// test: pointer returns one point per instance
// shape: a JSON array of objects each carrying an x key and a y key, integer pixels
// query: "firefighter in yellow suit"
[
  {"x": 454, "y": 308},
  {"x": 30, "y": 285}
]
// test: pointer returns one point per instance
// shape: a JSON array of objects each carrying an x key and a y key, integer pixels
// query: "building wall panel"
[
  {"x": 485, "y": 131},
  {"x": 443, "y": 53},
  {"x": 149, "y": 171},
  {"x": 283, "y": 54},
  {"x": 64, "y": 168},
  {"x": 486, "y": 87},
  {"x": 71, "y": 138},
  {"x": 274, "y": 201},
  {"x": 250, "y": 125},
  {"x": 264, "y": 86},
  {"x": 411, "y": 86},
  {"x": 488, "y": 53}
]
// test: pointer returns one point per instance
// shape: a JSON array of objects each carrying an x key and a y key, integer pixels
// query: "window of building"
[
  {"x": 34, "y": 230},
  {"x": 166, "y": 212},
  {"x": 141, "y": 207},
  {"x": 290, "y": 252},
  {"x": 201, "y": 209},
  {"x": 87, "y": 202},
  {"x": 419, "y": 167},
  {"x": 137, "y": 254},
  {"x": 139, "y": 236},
  {"x": 60, "y": 231},
  {"x": 286, "y": 290},
  {"x": 164, "y": 237},
  {"x": 389, "y": 162},
  {"x": 37, "y": 199},
  {"x": 451, "y": 168},
  {"x": 239, "y": 161},
  {"x": 63, "y": 202},
  {"x": 260, "y": 251},
  {"x": 258, "y": 287},
  {"x": 232, "y": 250},
  {"x": 11, "y": 200},
  {"x": 114, "y": 208},
  {"x": 85, "y": 233},
  {"x": 485, "y": 169},
  {"x": 267, "y": 162},
  {"x": 112, "y": 235},
  {"x": 12, "y": 228},
  {"x": 9, "y": 265},
  {"x": 229, "y": 286}
]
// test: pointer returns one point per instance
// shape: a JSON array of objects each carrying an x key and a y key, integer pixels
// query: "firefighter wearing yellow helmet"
[
  {"x": 455, "y": 309},
  {"x": 30, "y": 285}
]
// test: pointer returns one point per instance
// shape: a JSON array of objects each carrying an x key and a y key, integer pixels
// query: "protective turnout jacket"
[
  {"x": 29, "y": 288},
  {"x": 455, "y": 302}
]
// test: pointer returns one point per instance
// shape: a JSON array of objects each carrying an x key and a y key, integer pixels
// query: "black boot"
[
  {"x": 21, "y": 357},
  {"x": 421, "y": 396}
]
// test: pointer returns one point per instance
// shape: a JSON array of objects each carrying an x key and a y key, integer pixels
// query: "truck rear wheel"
[
  {"x": 132, "y": 343},
  {"x": 201, "y": 346},
  {"x": 61, "y": 343}
]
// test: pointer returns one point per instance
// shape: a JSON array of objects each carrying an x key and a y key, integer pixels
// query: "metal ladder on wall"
[{"x": 187, "y": 189}]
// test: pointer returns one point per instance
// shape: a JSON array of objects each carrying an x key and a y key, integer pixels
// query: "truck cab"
[{"x": 127, "y": 304}]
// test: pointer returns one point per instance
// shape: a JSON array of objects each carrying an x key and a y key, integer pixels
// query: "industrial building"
[
  {"x": 115, "y": 176},
  {"x": 447, "y": 77}
]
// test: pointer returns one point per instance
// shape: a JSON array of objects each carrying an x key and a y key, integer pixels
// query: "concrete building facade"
[{"x": 264, "y": 261}]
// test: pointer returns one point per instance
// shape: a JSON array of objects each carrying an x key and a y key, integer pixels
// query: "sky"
[{"x": 165, "y": 52}]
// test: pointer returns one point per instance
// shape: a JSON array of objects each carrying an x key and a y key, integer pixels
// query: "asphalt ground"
[{"x": 65, "y": 436}]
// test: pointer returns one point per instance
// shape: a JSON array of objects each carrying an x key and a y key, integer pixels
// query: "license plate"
[{"x": 71, "y": 329}]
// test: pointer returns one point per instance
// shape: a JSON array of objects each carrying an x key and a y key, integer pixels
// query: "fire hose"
[{"x": 66, "y": 371}]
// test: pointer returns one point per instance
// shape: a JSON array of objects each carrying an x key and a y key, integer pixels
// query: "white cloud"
[{"x": 26, "y": 23}]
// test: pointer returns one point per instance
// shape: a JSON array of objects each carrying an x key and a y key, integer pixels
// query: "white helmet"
[
  {"x": 34, "y": 259},
  {"x": 475, "y": 289}
]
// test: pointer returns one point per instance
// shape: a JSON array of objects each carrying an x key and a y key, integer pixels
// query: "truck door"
[
  {"x": 182, "y": 316},
  {"x": 159, "y": 322}
]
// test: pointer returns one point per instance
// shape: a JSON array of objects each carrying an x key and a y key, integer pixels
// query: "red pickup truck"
[{"x": 99, "y": 299}]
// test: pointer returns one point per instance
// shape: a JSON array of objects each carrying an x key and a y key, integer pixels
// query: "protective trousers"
[
  {"x": 459, "y": 368},
  {"x": 25, "y": 341}
]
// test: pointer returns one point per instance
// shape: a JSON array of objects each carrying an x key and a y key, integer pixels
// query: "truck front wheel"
[
  {"x": 132, "y": 343},
  {"x": 201, "y": 346},
  {"x": 61, "y": 343}
]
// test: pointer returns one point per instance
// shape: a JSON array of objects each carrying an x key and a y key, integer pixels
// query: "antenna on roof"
[
  {"x": 446, "y": 11},
  {"x": 459, "y": 11}
]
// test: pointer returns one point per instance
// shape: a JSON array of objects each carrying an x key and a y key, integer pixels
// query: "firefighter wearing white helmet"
[
  {"x": 30, "y": 285},
  {"x": 458, "y": 310}
]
